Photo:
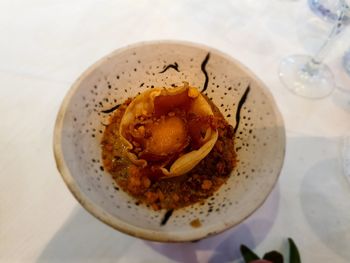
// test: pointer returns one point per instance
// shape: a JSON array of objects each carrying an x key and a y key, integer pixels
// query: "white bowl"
[{"x": 259, "y": 142}]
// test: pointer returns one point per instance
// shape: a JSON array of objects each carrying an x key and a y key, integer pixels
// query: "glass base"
[
  {"x": 346, "y": 61},
  {"x": 306, "y": 81},
  {"x": 346, "y": 157}
]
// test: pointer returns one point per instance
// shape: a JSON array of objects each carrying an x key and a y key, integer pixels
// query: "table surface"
[{"x": 46, "y": 45}]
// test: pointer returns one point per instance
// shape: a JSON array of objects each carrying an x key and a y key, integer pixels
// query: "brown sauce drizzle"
[
  {"x": 111, "y": 109},
  {"x": 173, "y": 66},
  {"x": 166, "y": 217},
  {"x": 239, "y": 108},
  {"x": 203, "y": 65}
]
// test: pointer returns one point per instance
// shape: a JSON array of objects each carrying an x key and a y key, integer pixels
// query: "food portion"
[
  {"x": 168, "y": 129},
  {"x": 169, "y": 147}
]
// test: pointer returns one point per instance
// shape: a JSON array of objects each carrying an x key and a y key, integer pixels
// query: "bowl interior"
[{"x": 259, "y": 143}]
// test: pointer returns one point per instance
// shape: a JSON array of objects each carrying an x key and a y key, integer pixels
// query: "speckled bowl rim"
[{"x": 123, "y": 226}]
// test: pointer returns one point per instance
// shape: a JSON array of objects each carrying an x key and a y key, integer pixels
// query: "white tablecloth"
[{"x": 46, "y": 45}]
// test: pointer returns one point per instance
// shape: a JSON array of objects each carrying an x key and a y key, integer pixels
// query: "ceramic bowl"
[{"x": 241, "y": 97}]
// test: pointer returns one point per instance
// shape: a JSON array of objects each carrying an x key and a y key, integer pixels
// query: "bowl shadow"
[
  {"x": 224, "y": 247},
  {"x": 83, "y": 238}
]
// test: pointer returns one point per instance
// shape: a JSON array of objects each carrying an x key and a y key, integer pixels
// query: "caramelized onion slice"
[{"x": 189, "y": 160}]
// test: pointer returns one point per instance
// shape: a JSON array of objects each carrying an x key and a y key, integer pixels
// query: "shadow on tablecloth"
[
  {"x": 319, "y": 216},
  {"x": 326, "y": 205},
  {"x": 82, "y": 238},
  {"x": 225, "y": 246}
]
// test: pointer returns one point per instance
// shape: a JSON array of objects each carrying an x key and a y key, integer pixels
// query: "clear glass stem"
[{"x": 316, "y": 61}]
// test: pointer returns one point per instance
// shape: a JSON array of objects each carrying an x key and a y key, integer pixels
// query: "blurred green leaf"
[
  {"x": 247, "y": 254},
  {"x": 274, "y": 257},
  {"x": 294, "y": 256}
]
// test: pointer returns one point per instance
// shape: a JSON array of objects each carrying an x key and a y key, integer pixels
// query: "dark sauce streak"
[
  {"x": 173, "y": 66},
  {"x": 111, "y": 109},
  {"x": 204, "y": 63},
  {"x": 166, "y": 217},
  {"x": 239, "y": 107}
]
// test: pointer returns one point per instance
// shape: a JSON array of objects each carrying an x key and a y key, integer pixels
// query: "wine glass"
[
  {"x": 345, "y": 152},
  {"x": 327, "y": 10},
  {"x": 308, "y": 76},
  {"x": 346, "y": 61}
]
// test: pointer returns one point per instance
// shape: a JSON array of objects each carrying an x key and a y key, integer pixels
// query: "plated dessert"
[{"x": 152, "y": 156}]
